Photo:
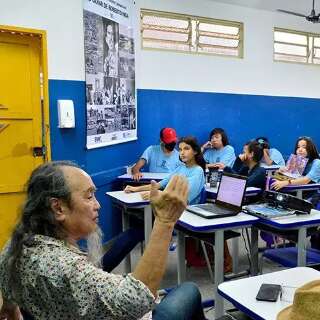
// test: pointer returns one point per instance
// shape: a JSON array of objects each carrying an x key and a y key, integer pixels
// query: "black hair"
[
  {"x": 256, "y": 148},
  {"x": 224, "y": 137},
  {"x": 264, "y": 142},
  {"x": 46, "y": 182},
  {"x": 311, "y": 148},
  {"x": 193, "y": 143}
]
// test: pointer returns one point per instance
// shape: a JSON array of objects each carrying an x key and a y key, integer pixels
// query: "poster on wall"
[{"x": 110, "y": 72}]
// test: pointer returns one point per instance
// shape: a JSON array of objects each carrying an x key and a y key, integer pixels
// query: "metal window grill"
[
  {"x": 178, "y": 32},
  {"x": 296, "y": 46}
]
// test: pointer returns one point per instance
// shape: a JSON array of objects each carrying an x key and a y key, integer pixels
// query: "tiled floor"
[{"x": 200, "y": 275}]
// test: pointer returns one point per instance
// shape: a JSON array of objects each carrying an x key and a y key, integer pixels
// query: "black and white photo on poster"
[{"x": 110, "y": 73}]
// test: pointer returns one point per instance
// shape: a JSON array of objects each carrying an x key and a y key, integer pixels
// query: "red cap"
[{"x": 169, "y": 135}]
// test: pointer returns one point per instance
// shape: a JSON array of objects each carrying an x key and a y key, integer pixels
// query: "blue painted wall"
[{"x": 282, "y": 119}]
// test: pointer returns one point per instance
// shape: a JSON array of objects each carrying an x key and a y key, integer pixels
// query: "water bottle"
[{"x": 214, "y": 179}]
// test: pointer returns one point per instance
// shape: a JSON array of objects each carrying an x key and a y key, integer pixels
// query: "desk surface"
[
  {"x": 294, "y": 221},
  {"x": 129, "y": 199},
  {"x": 242, "y": 293},
  {"x": 303, "y": 187},
  {"x": 146, "y": 176},
  {"x": 197, "y": 223}
]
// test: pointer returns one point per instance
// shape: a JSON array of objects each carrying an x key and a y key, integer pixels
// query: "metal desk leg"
[
  {"x": 254, "y": 251},
  {"x": 181, "y": 257},
  {"x": 218, "y": 272},
  {"x": 302, "y": 254},
  {"x": 147, "y": 223},
  {"x": 235, "y": 255},
  {"x": 125, "y": 226}
]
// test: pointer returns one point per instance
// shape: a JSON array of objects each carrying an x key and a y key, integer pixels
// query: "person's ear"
[{"x": 57, "y": 207}]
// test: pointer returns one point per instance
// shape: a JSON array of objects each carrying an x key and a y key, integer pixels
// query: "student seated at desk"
[
  {"x": 217, "y": 152},
  {"x": 43, "y": 271},
  {"x": 304, "y": 147},
  {"x": 270, "y": 155},
  {"x": 192, "y": 167},
  {"x": 248, "y": 164},
  {"x": 159, "y": 158}
]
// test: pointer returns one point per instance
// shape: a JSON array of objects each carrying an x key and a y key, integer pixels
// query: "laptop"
[{"x": 229, "y": 200}]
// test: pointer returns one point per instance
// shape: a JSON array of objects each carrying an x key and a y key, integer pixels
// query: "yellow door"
[{"x": 22, "y": 134}]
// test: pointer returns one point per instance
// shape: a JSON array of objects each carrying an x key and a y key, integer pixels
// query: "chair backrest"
[{"x": 203, "y": 195}]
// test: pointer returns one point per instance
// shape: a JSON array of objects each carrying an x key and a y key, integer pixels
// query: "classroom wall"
[{"x": 249, "y": 97}]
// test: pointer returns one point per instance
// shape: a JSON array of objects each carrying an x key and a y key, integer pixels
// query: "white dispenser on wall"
[{"x": 66, "y": 114}]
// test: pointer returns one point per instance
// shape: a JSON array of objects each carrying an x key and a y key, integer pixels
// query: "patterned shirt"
[{"x": 58, "y": 282}]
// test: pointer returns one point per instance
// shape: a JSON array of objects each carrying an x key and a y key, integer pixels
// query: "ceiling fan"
[{"x": 312, "y": 17}]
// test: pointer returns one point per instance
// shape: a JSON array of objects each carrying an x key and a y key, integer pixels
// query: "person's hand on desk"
[
  {"x": 129, "y": 189},
  {"x": 137, "y": 176},
  {"x": 169, "y": 204},
  {"x": 145, "y": 195},
  {"x": 277, "y": 185},
  {"x": 219, "y": 165}
]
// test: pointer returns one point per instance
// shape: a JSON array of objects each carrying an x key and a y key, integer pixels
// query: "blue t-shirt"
[
  {"x": 225, "y": 155},
  {"x": 312, "y": 171},
  {"x": 195, "y": 177},
  {"x": 276, "y": 157},
  {"x": 158, "y": 161}
]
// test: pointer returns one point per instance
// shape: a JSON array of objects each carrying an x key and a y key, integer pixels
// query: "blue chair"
[{"x": 287, "y": 257}]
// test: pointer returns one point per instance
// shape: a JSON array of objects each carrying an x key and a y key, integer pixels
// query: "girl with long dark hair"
[{"x": 192, "y": 167}]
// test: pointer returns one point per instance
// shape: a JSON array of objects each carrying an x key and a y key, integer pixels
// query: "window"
[
  {"x": 296, "y": 46},
  {"x": 179, "y": 32}
]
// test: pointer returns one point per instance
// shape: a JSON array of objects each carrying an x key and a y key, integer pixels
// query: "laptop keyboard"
[{"x": 213, "y": 208}]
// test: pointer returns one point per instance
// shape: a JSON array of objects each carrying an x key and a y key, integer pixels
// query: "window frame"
[
  {"x": 310, "y": 50},
  {"x": 197, "y": 19}
]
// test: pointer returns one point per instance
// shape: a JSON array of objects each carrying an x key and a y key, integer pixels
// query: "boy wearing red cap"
[{"x": 159, "y": 158}]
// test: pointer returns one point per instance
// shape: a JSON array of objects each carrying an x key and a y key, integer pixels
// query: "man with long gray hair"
[{"x": 43, "y": 271}]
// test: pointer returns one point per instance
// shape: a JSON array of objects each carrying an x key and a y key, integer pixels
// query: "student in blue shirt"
[
  {"x": 304, "y": 147},
  {"x": 217, "y": 152},
  {"x": 192, "y": 168},
  {"x": 159, "y": 158},
  {"x": 270, "y": 155}
]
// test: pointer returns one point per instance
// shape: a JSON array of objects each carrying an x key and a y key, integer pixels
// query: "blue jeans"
[
  {"x": 182, "y": 303},
  {"x": 121, "y": 246}
]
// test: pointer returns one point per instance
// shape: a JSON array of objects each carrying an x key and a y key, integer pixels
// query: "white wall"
[
  {"x": 255, "y": 74},
  {"x": 62, "y": 19}
]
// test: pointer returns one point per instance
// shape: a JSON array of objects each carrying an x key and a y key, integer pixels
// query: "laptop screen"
[{"x": 231, "y": 189}]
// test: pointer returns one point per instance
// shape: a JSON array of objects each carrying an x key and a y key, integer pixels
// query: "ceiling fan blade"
[{"x": 293, "y": 13}]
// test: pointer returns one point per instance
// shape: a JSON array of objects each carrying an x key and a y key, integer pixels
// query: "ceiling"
[{"x": 300, "y": 6}]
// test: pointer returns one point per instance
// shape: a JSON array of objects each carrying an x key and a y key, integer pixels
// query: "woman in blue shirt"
[
  {"x": 304, "y": 147},
  {"x": 217, "y": 151},
  {"x": 192, "y": 168}
]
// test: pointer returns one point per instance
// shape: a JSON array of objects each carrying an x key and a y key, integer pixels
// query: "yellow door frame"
[{"x": 44, "y": 82}]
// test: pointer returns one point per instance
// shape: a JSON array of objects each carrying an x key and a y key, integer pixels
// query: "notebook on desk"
[{"x": 229, "y": 200}]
